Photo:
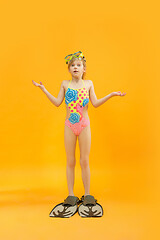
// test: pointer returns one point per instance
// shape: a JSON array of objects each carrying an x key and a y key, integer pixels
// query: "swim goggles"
[{"x": 76, "y": 54}]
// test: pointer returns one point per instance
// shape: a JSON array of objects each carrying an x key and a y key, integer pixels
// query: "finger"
[{"x": 34, "y": 83}]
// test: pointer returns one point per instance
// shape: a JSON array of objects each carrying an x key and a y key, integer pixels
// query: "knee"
[
  {"x": 84, "y": 161},
  {"x": 71, "y": 162}
]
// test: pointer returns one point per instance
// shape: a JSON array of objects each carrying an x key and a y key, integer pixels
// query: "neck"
[{"x": 76, "y": 80}]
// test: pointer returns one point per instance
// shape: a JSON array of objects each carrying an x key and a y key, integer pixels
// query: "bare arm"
[
  {"x": 56, "y": 101},
  {"x": 97, "y": 102}
]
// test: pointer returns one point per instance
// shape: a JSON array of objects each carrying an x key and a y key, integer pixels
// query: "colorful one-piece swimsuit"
[{"x": 76, "y": 99}]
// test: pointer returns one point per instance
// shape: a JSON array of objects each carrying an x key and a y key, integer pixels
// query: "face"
[{"x": 76, "y": 68}]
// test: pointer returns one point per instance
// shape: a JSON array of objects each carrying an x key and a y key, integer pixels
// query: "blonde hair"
[{"x": 83, "y": 61}]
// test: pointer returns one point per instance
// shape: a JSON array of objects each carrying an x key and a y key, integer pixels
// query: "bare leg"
[
  {"x": 70, "y": 144},
  {"x": 85, "y": 144}
]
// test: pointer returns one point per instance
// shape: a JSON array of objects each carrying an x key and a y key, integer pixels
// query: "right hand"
[{"x": 42, "y": 87}]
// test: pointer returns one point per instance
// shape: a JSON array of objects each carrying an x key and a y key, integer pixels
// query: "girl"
[{"x": 77, "y": 93}]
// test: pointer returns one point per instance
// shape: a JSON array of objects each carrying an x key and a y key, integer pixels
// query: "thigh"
[
  {"x": 70, "y": 140},
  {"x": 84, "y": 140}
]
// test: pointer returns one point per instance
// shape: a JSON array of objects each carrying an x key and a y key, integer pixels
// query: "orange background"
[{"x": 120, "y": 41}]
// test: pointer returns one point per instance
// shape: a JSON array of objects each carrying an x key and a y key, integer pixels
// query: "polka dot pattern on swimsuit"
[{"x": 82, "y": 95}]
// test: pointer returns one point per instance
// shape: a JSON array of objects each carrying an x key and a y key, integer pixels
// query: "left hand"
[{"x": 118, "y": 94}]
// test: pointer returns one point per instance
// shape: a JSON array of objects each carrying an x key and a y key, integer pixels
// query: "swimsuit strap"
[
  {"x": 69, "y": 83},
  {"x": 83, "y": 82}
]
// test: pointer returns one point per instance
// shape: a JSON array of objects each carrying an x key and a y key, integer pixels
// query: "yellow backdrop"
[{"x": 120, "y": 41}]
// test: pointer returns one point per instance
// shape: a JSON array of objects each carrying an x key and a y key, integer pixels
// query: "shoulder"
[
  {"x": 89, "y": 83},
  {"x": 65, "y": 83}
]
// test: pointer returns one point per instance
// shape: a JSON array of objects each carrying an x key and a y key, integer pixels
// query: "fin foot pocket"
[
  {"x": 89, "y": 207},
  {"x": 65, "y": 209}
]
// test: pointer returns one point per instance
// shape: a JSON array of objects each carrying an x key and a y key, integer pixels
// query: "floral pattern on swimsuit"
[{"x": 76, "y": 99}]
